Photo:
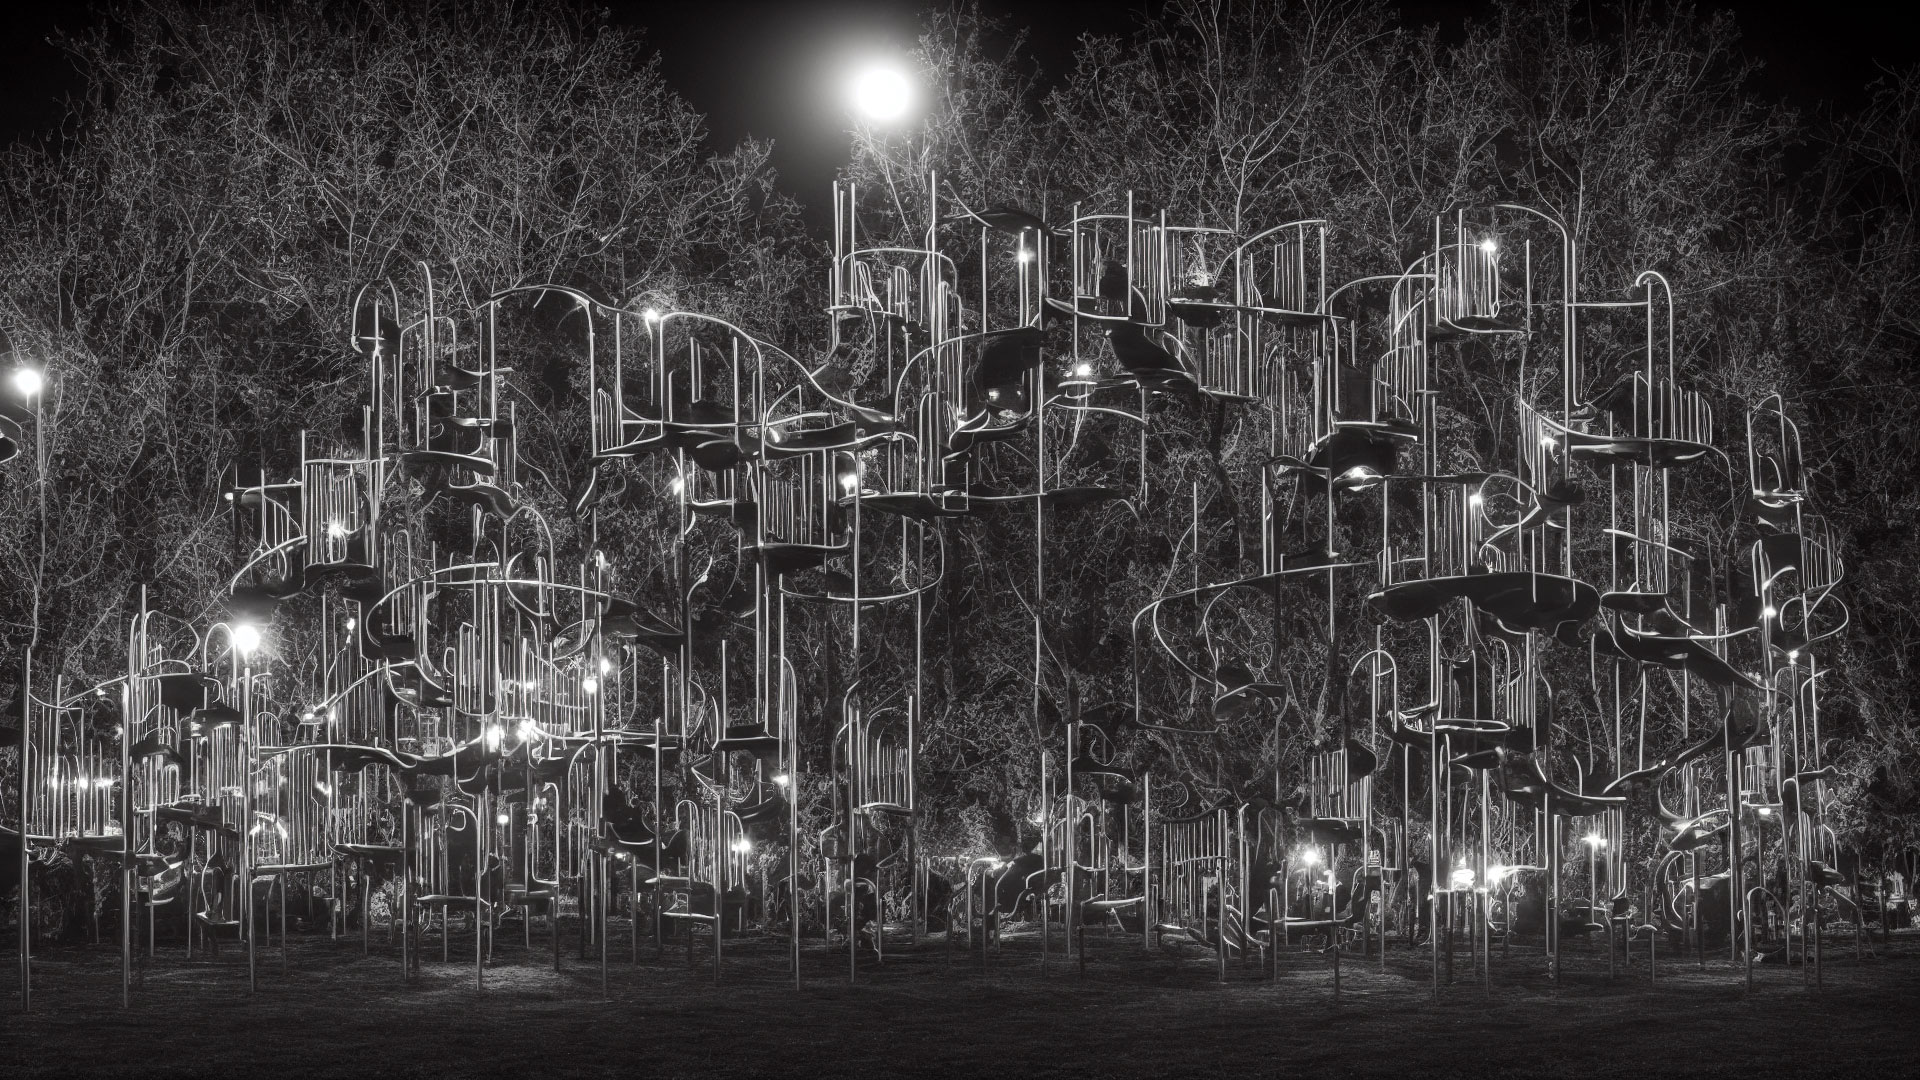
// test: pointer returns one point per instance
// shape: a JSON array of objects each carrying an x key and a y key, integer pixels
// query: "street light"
[
  {"x": 246, "y": 638},
  {"x": 881, "y": 92},
  {"x": 27, "y": 381}
]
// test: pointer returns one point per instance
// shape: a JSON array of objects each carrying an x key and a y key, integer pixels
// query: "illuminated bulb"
[
  {"x": 531, "y": 685},
  {"x": 503, "y": 817},
  {"x": 1083, "y": 370},
  {"x": 1793, "y": 656},
  {"x": 1311, "y": 857},
  {"x": 1489, "y": 246},
  {"x": 494, "y": 735},
  {"x": 1548, "y": 441},
  {"x": 606, "y": 665},
  {"x": 849, "y": 483},
  {"x": 652, "y": 315},
  {"x": 27, "y": 381},
  {"x": 1595, "y": 840},
  {"x": 882, "y": 92},
  {"x": 351, "y": 623},
  {"x": 676, "y": 485},
  {"x": 1764, "y": 811},
  {"x": 1476, "y": 499},
  {"x": 780, "y": 778},
  {"x": 1463, "y": 878},
  {"x": 742, "y": 845},
  {"x": 336, "y": 529},
  {"x": 1024, "y": 255},
  {"x": 590, "y": 684},
  {"x": 246, "y": 637},
  {"x": 1495, "y": 873},
  {"x": 1769, "y": 612}
]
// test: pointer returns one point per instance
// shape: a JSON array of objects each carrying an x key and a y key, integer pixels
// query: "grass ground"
[{"x": 925, "y": 1012}]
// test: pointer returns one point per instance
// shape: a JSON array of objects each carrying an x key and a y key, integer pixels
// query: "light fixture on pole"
[
  {"x": 28, "y": 382},
  {"x": 881, "y": 92},
  {"x": 246, "y": 638}
]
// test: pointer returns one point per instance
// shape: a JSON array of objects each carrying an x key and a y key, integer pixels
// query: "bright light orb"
[
  {"x": 882, "y": 92},
  {"x": 246, "y": 637},
  {"x": 27, "y": 381}
]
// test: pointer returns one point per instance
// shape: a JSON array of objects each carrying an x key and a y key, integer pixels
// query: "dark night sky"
[{"x": 765, "y": 68}]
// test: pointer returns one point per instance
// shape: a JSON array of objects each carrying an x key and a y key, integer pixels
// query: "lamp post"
[
  {"x": 245, "y": 638},
  {"x": 27, "y": 384}
]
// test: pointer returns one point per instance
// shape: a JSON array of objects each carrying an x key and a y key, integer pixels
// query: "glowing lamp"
[
  {"x": 246, "y": 638},
  {"x": 27, "y": 381},
  {"x": 881, "y": 92}
]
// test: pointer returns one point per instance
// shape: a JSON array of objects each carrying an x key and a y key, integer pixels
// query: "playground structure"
[{"x": 423, "y": 708}]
